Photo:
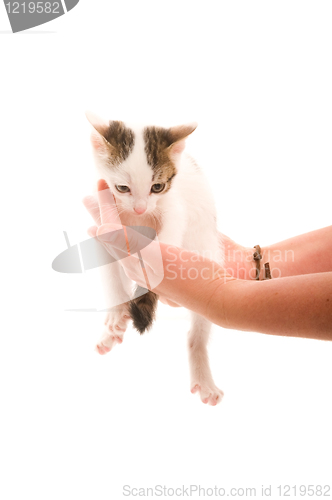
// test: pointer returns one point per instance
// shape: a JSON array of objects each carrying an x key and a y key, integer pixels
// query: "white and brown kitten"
[{"x": 155, "y": 183}]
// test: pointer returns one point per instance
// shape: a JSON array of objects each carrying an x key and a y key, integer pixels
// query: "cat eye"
[
  {"x": 122, "y": 189},
  {"x": 157, "y": 188}
]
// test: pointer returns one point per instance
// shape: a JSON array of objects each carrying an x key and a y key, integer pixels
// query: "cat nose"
[{"x": 140, "y": 210}]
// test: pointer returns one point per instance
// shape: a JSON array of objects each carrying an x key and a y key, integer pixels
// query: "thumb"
[
  {"x": 114, "y": 238},
  {"x": 106, "y": 229}
]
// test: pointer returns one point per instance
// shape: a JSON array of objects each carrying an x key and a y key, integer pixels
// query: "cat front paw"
[
  {"x": 208, "y": 391},
  {"x": 115, "y": 325}
]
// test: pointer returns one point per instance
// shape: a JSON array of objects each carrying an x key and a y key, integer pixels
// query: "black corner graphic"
[
  {"x": 90, "y": 254},
  {"x": 70, "y": 4},
  {"x": 29, "y": 14}
]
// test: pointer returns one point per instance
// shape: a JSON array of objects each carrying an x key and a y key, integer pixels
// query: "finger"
[
  {"x": 168, "y": 302},
  {"x": 92, "y": 206},
  {"x": 154, "y": 266},
  {"x": 126, "y": 250},
  {"x": 135, "y": 241},
  {"x": 173, "y": 304},
  {"x": 108, "y": 209},
  {"x": 113, "y": 238},
  {"x": 92, "y": 231},
  {"x": 125, "y": 238},
  {"x": 124, "y": 241},
  {"x": 102, "y": 185}
]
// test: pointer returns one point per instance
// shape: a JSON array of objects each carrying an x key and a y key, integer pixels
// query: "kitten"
[{"x": 155, "y": 183}]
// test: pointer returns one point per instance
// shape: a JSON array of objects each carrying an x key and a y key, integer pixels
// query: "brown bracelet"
[{"x": 257, "y": 256}]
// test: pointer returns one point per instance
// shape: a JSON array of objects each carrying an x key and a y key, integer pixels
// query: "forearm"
[
  {"x": 293, "y": 306},
  {"x": 188, "y": 278},
  {"x": 304, "y": 254},
  {"x": 296, "y": 306}
]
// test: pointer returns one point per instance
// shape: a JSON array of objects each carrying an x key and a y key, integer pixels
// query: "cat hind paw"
[
  {"x": 209, "y": 393},
  {"x": 114, "y": 329}
]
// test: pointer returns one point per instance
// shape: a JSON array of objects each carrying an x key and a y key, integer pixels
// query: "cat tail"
[{"x": 142, "y": 309}]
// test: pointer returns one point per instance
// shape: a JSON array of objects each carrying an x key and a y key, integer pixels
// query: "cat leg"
[
  {"x": 200, "y": 373},
  {"x": 143, "y": 309},
  {"x": 114, "y": 329},
  {"x": 118, "y": 289}
]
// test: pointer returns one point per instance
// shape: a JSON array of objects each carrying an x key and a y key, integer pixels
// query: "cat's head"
[{"x": 138, "y": 163}]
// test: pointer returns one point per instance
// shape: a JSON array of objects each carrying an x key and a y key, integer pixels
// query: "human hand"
[{"x": 136, "y": 248}]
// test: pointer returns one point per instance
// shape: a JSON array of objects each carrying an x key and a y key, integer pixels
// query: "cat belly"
[
  {"x": 201, "y": 234},
  {"x": 204, "y": 242}
]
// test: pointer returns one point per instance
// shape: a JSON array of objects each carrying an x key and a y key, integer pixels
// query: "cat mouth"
[
  {"x": 140, "y": 215},
  {"x": 139, "y": 212}
]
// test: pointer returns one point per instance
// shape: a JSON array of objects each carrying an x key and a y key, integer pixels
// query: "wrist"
[
  {"x": 239, "y": 261},
  {"x": 266, "y": 258}
]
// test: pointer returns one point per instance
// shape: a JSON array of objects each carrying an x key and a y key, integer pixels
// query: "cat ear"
[
  {"x": 98, "y": 123},
  {"x": 178, "y": 136},
  {"x": 100, "y": 128}
]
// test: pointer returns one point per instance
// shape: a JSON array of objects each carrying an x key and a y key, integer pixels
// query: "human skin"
[
  {"x": 297, "y": 306},
  {"x": 304, "y": 254}
]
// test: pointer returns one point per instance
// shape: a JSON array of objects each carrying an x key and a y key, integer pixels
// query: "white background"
[{"x": 257, "y": 77}]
